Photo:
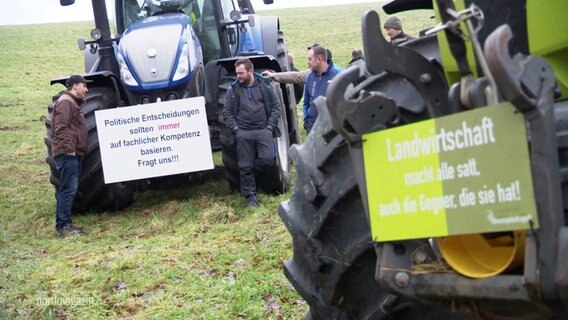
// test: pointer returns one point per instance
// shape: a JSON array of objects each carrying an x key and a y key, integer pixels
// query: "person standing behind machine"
[
  {"x": 317, "y": 81},
  {"x": 298, "y": 77},
  {"x": 393, "y": 27},
  {"x": 298, "y": 88},
  {"x": 252, "y": 111}
]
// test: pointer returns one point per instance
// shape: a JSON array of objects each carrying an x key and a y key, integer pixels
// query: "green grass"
[
  {"x": 195, "y": 252},
  {"x": 337, "y": 28}
]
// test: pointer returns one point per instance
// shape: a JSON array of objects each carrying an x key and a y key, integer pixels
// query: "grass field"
[{"x": 194, "y": 252}]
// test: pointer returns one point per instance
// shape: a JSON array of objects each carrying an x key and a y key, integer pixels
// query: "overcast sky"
[{"x": 47, "y": 11}]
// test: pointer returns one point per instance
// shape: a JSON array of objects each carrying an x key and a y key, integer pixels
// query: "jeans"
[{"x": 69, "y": 168}]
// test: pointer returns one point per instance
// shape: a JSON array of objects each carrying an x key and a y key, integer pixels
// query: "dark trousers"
[
  {"x": 69, "y": 168},
  {"x": 255, "y": 152}
]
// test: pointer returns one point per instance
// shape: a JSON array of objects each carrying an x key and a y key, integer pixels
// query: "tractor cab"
[
  {"x": 162, "y": 46},
  {"x": 225, "y": 28}
]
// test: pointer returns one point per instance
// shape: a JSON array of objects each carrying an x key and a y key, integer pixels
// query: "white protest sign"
[{"x": 154, "y": 140}]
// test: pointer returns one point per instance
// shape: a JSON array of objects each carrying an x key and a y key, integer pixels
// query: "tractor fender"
[
  {"x": 259, "y": 62},
  {"x": 105, "y": 79},
  {"x": 269, "y": 26},
  {"x": 92, "y": 60}
]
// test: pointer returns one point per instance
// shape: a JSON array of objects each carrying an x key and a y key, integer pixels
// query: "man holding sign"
[{"x": 252, "y": 110}]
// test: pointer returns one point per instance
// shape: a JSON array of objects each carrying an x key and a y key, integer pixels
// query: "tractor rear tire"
[
  {"x": 289, "y": 96},
  {"x": 334, "y": 259},
  {"x": 93, "y": 194}
]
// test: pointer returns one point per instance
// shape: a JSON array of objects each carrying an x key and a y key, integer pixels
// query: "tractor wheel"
[
  {"x": 277, "y": 178},
  {"x": 93, "y": 194},
  {"x": 333, "y": 267},
  {"x": 227, "y": 139},
  {"x": 196, "y": 85},
  {"x": 291, "y": 100},
  {"x": 334, "y": 259}
]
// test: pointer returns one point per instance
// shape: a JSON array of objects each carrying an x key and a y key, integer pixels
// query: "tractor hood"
[{"x": 158, "y": 52}]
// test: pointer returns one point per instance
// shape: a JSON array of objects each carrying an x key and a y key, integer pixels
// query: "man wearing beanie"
[{"x": 393, "y": 27}]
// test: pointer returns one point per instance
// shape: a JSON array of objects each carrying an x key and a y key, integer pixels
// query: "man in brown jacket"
[{"x": 68, "y": 147}]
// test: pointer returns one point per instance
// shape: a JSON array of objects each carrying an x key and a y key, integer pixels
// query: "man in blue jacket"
[
  {"x": 329, "y": 57},
  {"x": 252, "y": 111},
  {"x": 317, "y": 81}
]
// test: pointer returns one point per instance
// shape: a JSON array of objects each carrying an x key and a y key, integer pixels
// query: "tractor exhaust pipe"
[{"x": 105, "y": 40}]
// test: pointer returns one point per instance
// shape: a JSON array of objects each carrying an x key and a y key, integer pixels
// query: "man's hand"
[{"x": 268, "y": 74}]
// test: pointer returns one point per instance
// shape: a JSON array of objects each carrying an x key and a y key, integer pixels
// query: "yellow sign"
[{"x": 459, "y": 174}]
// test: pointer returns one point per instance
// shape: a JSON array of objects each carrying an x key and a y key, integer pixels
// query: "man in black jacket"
[
  {"x": 356, "y": 57},
  {"x": 252, "y": 111}
]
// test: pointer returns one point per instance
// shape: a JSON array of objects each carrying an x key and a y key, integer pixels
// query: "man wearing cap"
[
  {"x": 68, "y": 146},
  {"x": 393, "y": 27}
]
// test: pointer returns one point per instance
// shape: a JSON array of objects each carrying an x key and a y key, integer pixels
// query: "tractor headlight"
[
  {"x": 125, "y": 74},
  {"x": 182, "y": 69}
]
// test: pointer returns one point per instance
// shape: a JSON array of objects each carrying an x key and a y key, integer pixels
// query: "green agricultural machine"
[
  {"x": 434, "y": 182},
  {"x": 159, "y": 51}
]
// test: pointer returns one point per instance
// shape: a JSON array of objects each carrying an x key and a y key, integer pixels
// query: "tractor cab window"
[
  {"x": 227, "y": 6},
  {"x": 156, "y": 7},
  {"x": 132, "y": 11},
  {"x": 200, "y": 12},
  {"x": 206, "y": 28}
]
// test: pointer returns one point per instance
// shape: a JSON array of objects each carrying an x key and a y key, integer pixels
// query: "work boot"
[
  {"x": 68, "y": 230},
  {"x": 251, "y": 201},
  {"x": 76, "y": 227}
]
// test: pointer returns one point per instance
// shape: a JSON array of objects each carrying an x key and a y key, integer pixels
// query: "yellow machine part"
[{"x": 483, "y": 255}]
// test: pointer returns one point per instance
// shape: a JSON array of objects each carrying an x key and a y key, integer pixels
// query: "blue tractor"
[{"x": 152, "y": 51}]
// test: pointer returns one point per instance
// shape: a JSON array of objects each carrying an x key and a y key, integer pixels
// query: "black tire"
[
  {"x": 196, "y": 86},
  {"x": 277, "y": 178},
  {"x": 289, "y": 98},
  {"x": 93, "y": 194},
  {"x": 333, "y": 266},
  {"x": 334, "y": 260},
  {"x": 227, "y": 139}
]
